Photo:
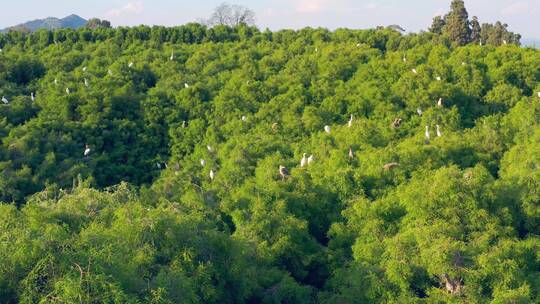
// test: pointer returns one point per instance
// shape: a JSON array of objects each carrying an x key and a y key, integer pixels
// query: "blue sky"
[{"x": 413, "y": 15}]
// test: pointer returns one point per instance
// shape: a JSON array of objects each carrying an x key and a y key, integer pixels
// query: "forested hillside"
[{"x": 232, "y": 165}]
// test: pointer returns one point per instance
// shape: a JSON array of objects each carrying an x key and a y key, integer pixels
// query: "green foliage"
[{"x": 139, "y": 219}]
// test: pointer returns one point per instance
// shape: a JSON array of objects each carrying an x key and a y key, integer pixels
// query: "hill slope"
[{"x": 72, "y": 21}]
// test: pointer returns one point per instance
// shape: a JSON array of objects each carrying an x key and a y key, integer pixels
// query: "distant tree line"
[{"x": 457, "y": 27}]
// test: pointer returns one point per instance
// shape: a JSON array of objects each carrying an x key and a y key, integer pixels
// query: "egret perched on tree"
[
  {"x": 172, "y": 56},
  {"x": 86, "y": 82},
  {"x": 414, "y": 71},
  {"x": 203, "y": 162},
  {"x": 396, "y": 123},
  {"x": 538, "y": 94},
  {"x": 87, "y": 151},
  {"x": 351, "y": 153},
  {"x": 32, "y": 96},
  {"x": 130, "y": 64},
  {"x": 419, "y": 111},
  {"x": 4, "y": 100},
  {"x": 463, "y": 63},
  {"x": 438, "y": 78},
  {"x": 283, "y": 172},
  {"x": 209, "y": 148},
  {"x": 327, "y": 129},
  {"x": 310, "y": 159},
  {"x": 358, "y": 45},
  {"x": 390, "y": 166},
  {"x": 244, "y": 118},
  {"x": 404, "y": 59},
  {"x": 56, "y": 81},
  {"x": 349, "y": 124},
  {"x": 183, "y": 123},
  {"x": 303, "y": 161},
  {"x": 504, "y": 42},
  {"x": 158, "y": 165},
  {"x": 275, "y": 126},
  {"x": 212, "y": 174},
  {"x": 440, "y": 102},
  {"x": 84, "y": 69},
  {"x": 109, "y": 72},
  {"x": 427, "y": 133},
  {"x": 186, "y": 85},
  {"x": 439, "y": 134},
  {"x": 67, "y": 91}
]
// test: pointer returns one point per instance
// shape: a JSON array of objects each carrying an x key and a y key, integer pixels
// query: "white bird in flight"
[
  {"x": 440, "y": 102},
  {"x": 427, "y": 133},
  {"x": 439, "y": 134},
  {"x": 303, "y": 161},
  {"x": 4, "y": 100},
  {"x": 419, "y": 111},
  {"x": 87, "y": 150},
  {"x": 349, "y": 124},
  {"x": 203, "y": 162},
  {"x": 327, "y": 129}
]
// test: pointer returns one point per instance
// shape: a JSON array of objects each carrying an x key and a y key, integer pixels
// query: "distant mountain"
[{"x": 51, "y": 23}]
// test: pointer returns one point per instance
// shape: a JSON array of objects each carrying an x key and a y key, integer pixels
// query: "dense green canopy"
[{"x": 381, "y": 215}]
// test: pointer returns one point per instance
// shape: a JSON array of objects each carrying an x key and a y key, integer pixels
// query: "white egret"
[
  {"x": 283, "y": 172},
  {"x": 275, "y": 126},
  {"x": 351, "y": 153},
  {"x": 186, "y": 85},
  {"x": 84, "y": 69},
  {"x": 439, "y": 133},
  {"x": 504, "y": 42},
  {"x": 183, "y": 124},
  {"x": 414, "y": 71},
  {"x": 358, "y": 45},
  {"x": 310, "y": 159},
  {"x": 438, "y": 78},
  {"x": 158, "y": 165},
  {"x": 440, "y": 102},
  {"x": 419, "y": 111},
  {"x": 427, "y": 133},
  {"x": 130, "y": 64},
  {"x": 390, "y": 166},
  {"x": 349, "y": 124},
  {"x": 87, "y": 151},
  {"x": 404, "y": 59},
  {"x": 172, "y": 57},
  {"x": 4, "y": 100},
  {"x": 327, "y": 129},
  {"x": 56, "y": 81},
  {"x": 109, "y": 72},
  {"x": 303, "y": 161},
  {"x": 32, "y": 96},
  {"x": 538, "y": 94},
  {"x": 212, "y": 174},
  {"x": 463, "y": 63},
  {"x": 67, "y": 91},
  {"x": 209, "y": 148},
  {"x": 86, "y": 82},
  {"x": 203, "y": 162},
  {"x": 244, "y": 118}
]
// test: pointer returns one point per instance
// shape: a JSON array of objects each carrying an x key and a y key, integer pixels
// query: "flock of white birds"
[{"x": 283, "y": 172}]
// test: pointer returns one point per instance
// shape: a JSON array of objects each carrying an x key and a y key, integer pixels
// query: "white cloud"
[
  {"x": 517, "y": 8},
  {"x": 132, "y": 8}
]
